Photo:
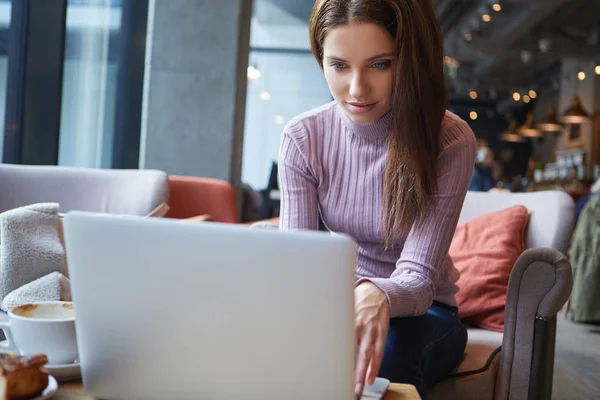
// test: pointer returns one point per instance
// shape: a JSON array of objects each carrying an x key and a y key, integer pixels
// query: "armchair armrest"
[
  {"x": 195, "y": 197},
  {"x": 539, "y": 285}
]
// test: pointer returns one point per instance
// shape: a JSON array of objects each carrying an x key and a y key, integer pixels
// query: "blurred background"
[{"x": 514, "y": 69}]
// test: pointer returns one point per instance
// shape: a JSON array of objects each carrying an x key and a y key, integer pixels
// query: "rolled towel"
[
  {"x": 30, "y": 246},
  {"x": 52, "y": 287}
]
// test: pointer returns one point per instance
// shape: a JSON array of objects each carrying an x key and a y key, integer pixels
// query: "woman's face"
[{"x": 358, "y": 65}]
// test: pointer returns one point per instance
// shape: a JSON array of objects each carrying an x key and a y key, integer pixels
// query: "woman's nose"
[{"x": 359, "y": 87}]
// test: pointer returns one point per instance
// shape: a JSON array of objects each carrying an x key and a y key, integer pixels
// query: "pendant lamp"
[
  {"x": 511, "y": 135},
  {"x": 550, "y": 122},
  {"x": 576, "y": 114},
  {"x": 529, "y": 129}
]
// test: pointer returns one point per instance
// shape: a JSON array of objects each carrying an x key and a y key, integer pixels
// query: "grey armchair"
[
  {"x": 133, "y": 192},
  {"x": 519, "y": 364}
]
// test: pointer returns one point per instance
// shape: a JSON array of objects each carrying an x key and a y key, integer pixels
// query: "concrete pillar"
[{"x": 195, "y": 87}]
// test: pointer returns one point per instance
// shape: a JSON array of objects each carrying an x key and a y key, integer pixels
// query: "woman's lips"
[{"x": 361, "y": 108}]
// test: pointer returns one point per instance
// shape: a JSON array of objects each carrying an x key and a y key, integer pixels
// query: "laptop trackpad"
[{"x": 377, "y": 390}]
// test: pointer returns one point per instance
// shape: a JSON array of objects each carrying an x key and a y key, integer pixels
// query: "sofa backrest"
[
  {"x": 551, "y": 214},
  {"x": 133, "y": 192}
]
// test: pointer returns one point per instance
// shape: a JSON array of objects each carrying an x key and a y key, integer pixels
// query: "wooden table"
[{"x": 74, "y": 391}]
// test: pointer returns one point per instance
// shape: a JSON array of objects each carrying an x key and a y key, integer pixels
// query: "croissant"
[{"x": 22, "y": 377}]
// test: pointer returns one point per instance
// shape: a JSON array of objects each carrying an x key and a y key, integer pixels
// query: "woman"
[{"x": 387, "y": 165}]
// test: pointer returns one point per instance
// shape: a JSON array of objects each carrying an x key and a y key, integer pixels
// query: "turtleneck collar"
[{"x": 379, "y": 129}]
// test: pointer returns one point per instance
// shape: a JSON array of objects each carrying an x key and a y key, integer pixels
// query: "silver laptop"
[{"x": 178, "y": 310}]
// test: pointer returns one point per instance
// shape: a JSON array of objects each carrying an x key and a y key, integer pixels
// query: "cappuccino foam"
[{"x": 46, "y": 311}]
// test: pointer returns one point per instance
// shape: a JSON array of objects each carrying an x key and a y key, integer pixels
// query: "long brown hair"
[{"x": 418, "y": 99}]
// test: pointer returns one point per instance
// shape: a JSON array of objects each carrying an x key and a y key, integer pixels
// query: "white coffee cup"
[{"x": 42, "y": 328}]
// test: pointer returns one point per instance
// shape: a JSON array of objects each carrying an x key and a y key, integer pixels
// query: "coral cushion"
[{"x": 485, "y": 250}]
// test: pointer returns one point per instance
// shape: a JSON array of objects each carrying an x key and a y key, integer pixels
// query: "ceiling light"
[
  {"x": 516, "y": 96},
  {"x": 544, "y": 45},
  {"x": 264, "y": 95},
  {"x": 526, "y": 99},
  {"x": 529, "y": 129},
  {"x": 468, "y": 37},
  {"x": 279, "y": 120},
  {"x": 597, "y": 69},
  {"x": 576, "y": 113},
  {"x": 550, "y": 122},
  {"x": 473, "y": 115},
  {"x": 253, "y": 73},
  {"x": 581, "y": 75},
  {"x": 532, "y": 94},
  {"x": 497, "y": 7},
  {"x": 486, "y": 17},
  {"x": 473, "y": 94},
  {"x": 526, "y": 56}
]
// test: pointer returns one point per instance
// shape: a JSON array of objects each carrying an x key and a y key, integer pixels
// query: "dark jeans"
[{"x": 422, "y": 350}]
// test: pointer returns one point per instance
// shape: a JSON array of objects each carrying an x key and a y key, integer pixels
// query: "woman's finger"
[
  {"x": 376, "y": 357},
  {"x": 363, "y": 360}
]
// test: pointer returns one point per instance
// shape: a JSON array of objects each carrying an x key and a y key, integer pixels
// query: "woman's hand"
[{"x": 372, "y": 319}]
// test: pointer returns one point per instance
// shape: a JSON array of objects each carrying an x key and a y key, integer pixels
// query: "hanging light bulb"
[
  {"x": 516, "y": 96},
  {"x": 497, "y": 7},
  {"x": 264, "y": 95},
  {"x": 473, "y": 94},
  {"x": 532, "y": 94},
  {"x": 486, "y": 17},
  {"x": 550, "y": 122},
  {"x": 576, "y": 114},
  {"x": 529, "y": 128},
  {"x": 581, "y": 75},
  {"x": 526, "y": 99},
  {"x": 473, "y": 115},
  {"x": 253, "y": 73},
  {"x": 597, "y": 69}
]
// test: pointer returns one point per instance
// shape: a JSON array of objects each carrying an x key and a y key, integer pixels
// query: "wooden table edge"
[{"x": 74, "y": 391}]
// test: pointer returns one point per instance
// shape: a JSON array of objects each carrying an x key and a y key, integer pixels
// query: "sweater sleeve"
[
  {"x": 410, "y": 289},
  {"x": 298, "y": 185}
]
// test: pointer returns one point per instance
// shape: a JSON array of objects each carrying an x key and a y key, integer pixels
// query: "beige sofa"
[
  {"x": 133, "y": 192},
  {"x": 519, "y": 363}
]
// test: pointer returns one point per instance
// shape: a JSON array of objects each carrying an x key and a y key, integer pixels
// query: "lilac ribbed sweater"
[{"x": 328, "y": 163}]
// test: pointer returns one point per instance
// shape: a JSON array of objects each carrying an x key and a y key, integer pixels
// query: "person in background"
[
  {"x": 386, "y": 164},
  {"x": 482, "y": 179}
]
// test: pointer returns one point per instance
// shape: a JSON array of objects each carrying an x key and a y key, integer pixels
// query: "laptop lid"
[{"x": 181, "y": 310}]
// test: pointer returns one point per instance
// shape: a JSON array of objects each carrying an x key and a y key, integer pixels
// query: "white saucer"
[
  {"x": 64, "y": 372},
  {"x": 50, "y": 389}
]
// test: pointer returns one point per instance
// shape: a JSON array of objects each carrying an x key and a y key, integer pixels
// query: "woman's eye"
[
  {"x": 337, "y": 65},
  {"x": 381, "y": 64}
]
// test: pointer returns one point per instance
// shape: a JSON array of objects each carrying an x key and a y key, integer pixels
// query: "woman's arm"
[
  {"x": 298, "y": 185},
  {"x": 411, "y": 287}
]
